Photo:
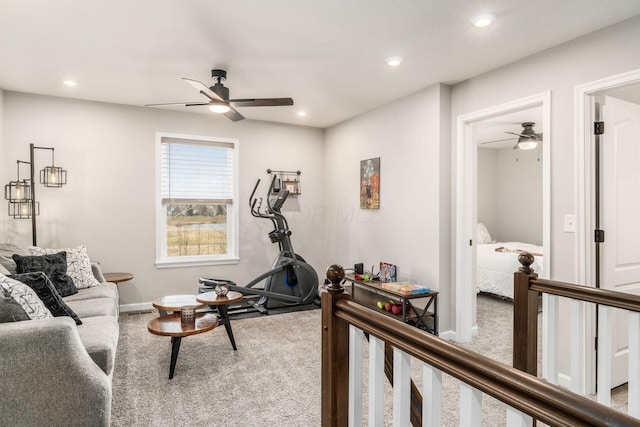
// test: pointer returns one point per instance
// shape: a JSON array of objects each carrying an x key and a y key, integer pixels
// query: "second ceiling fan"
[
  {"x": 528, "y": 139},
  {"x": 218, "y": 98}
]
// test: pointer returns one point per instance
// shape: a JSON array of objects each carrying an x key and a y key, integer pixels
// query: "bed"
[{"x": 497, "y": 261}]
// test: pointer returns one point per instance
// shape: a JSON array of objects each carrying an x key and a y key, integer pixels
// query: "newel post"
[
  {"x": 525, "y": 317},
  {"x": 335, "y": 354}
]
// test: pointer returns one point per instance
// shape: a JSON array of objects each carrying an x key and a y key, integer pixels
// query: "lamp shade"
[
  {"x": 53, "y": 176},
  {"x": 23, "y": 210},
  {"x": 17, "y": 191}
]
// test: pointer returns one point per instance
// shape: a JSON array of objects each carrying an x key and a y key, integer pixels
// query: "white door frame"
[
  {"x": 466, "y": 207},
  {"x": 585, "y": 145}
]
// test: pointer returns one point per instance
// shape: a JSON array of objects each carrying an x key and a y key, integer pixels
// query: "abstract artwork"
[{"x": 370, "y": 183}]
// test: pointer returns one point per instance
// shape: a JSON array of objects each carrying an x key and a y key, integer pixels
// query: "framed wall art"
[{"x": 370, "y": 183}]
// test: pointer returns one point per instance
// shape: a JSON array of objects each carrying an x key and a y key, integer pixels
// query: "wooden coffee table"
[
  {"x": 220, "y": 303},
  {"x": 171, "y": 326},
  {"x": 174, "y": 303}
]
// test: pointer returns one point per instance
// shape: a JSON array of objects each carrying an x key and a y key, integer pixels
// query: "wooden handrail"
[
  {"x": 535, "y": 397},
  {"x": 527, "y": 289}
]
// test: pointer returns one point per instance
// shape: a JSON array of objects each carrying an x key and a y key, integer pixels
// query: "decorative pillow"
[
  {"x": 47, "y": 294},
  {"x": 54, "y": 266},
  {"x": 78, "y": 264},
  {"x": 11, "y": 311},
  {"x": 482, "y": 234},
  {"x": 26, "y": 297}
]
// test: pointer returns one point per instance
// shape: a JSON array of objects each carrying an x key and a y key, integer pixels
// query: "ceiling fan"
[
  {"x": 528, "y": 139},
  {"x": 218, "y": 98}
]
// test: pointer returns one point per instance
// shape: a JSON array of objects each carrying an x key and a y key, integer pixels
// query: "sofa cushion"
[
  {"x": 11, "y": 311},
  {"x": 53, "y": 265},
  {"x": 105, "y": 290},
  {"x": 25, "y": 296},
  {"x": 94, "y": 307},
  {"x": 78, "y": 264},
  {"x": 99, "y": 335},
  {"x": 40, "y": 283}
]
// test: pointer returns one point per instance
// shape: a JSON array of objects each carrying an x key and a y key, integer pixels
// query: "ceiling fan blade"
[
  {"x": 497, "y": 140},
  {"x": 188, "y": 104},
  {"x": 233, "y": 115},
  {"x": 263, "y": 102},
  {"x": 519, "y": 134},
  {"x": 195, "y": 104},
  {"x": 203, "y": 89}
]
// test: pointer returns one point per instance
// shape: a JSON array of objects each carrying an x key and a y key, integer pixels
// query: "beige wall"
[
  {"x": 410, "y": 229},
  {"x": 108, "y": 204}
]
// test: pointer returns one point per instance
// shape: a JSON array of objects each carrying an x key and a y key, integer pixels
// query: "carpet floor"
[{"x": 272, "y": 379}]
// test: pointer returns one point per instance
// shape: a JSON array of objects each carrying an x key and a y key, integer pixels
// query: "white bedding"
[{"x": 494, "y": 273}]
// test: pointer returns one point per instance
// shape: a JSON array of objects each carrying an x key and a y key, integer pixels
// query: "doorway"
[
  {"x": 609, "y": 179},
  {"x": 466, "y": 203}
]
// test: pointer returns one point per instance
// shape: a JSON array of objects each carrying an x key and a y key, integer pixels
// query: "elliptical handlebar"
[{"x": 273, "y": 210}]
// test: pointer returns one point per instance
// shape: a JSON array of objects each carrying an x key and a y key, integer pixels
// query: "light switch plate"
[{"x": 570, "y": 223}]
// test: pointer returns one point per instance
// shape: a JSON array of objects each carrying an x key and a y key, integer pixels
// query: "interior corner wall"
[
  {"x": 559, "y": 70},
  {"x": 412, "y": 140},
  {"x": 109, "y": 201}
]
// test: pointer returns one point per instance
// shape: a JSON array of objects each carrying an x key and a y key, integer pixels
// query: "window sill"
[{"x": 196, "y": 262}]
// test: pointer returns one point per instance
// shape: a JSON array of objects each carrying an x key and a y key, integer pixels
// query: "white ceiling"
[{"x": 328, "y": 55}]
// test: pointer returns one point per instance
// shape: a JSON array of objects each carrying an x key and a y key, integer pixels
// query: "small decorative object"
[
  {"x": 370, "y": 183},
  {"x": 188, "y": 314},
  {"x": 221, "y": 290},
  {"x": 388, "y": 272}
]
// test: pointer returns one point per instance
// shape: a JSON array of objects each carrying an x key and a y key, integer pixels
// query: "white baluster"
[
  {"x": 577, "y": 347},
  {"x": 550, "y": 338},
  {"x": 431, "y": 396},
  {"x": 376, "y": 381},
  {"x": 356, "y": 338},
  {"x": 470, "y": 406},
  {"x": 516, "y": 418},
  {"x": 401, "y": 388},
  {"x": 604, "y": 355},
  {"x": 634, "y": 366}
]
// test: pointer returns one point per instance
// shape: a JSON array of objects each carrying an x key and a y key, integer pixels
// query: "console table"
[{"x": 418, "y": 316}]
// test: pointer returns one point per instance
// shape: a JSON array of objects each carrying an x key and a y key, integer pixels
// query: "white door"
[{"x": 620, "y": 217}]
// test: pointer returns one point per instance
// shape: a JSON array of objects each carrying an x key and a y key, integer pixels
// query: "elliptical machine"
[{"x": 291, "y": 281}]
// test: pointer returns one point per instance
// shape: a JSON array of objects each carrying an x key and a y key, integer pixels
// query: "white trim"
[
  {"x": 131, "y": 308},
  {"x": 466, "y": 206},
  {"x": 233, "y": 217},
  {"x": 585, "y": 250}
]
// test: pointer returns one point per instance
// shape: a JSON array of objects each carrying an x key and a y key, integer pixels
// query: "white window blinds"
[{"x": 196, "y": 172}]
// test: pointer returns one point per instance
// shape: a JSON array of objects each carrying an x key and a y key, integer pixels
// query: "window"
[{"x": 197, "y": 212}]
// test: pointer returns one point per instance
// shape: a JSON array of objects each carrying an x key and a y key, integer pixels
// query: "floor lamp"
[{"x": 21, "y": 194}]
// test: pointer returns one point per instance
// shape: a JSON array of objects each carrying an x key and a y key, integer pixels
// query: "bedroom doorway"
[
  {"x": 610, "y": 178},
  {"x": 467, "y": 201}
]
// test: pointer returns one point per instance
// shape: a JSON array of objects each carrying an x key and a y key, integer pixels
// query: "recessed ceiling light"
[
  {"x": 393, "y": 61},
  {"x": 70, "y": 83},
  {"x": 302, "y": 113},
  {"x": 484, "y": 20}
]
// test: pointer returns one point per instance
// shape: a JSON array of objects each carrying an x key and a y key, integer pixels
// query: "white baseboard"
[
  {"x": 564, "y": 380},
  {"x": 447, "y": 335},
  {"x": 129, "y": 308},
  {"x": 452, "y": 335}
]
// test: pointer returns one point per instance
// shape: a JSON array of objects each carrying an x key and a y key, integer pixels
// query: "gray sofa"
[{"x": 54, "y": 373}]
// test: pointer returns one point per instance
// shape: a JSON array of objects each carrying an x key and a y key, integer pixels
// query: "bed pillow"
[
  {"x": 11, "y": 311},
  {"x": 78, "y": 264},
  {"x": 47, "y": 294},
  {"x": 482, "y": 234},
  {"x": 54, "y": 266},
  {"x": 26, "y": 297}
]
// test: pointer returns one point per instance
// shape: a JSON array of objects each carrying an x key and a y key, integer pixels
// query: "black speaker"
[{"x": 358, "y": 268}]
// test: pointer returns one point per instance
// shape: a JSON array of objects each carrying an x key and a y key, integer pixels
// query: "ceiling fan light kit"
[{"x": 218, "y": 98}]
